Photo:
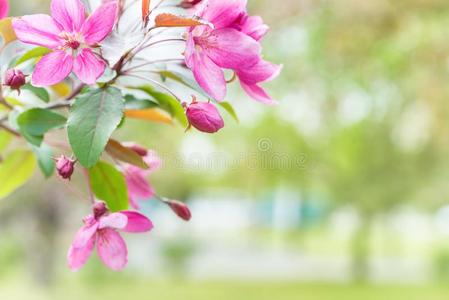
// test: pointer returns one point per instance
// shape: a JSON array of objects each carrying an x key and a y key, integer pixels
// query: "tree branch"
[{"x": 9, "y": 129}]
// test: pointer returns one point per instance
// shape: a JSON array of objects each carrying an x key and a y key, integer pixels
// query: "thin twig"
[
  {"x": 152, "y": 62},
  {"x": 9, "y": 129},
  {"x": 2, "y": 99},
  {"x": 89, "y": 187},
  {"x": 160, "y": 42},
  {"x": 3, "y": 102},
  {"x": 156, "y": 83},
  {"x": 76, "y": 91},
  {"x": 157, "y": 6},
  {"x": 59, "y": 104}
]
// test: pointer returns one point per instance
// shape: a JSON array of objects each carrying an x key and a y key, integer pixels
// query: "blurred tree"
[{"x": 365, "y": 168}]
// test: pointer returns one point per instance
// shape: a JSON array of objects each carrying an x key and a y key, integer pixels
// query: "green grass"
[{"x": 189, "y": 290}]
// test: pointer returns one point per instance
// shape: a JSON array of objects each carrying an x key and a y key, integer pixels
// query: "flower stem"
[
  {"x": 161, "y": 199},
  {"x": 156, "y": 83},
  {"x": 76, "y": 91},
  {"x": 89, "y": 187},
  {"x": 152, "y": 62},
  {"x": 10, "y": 130},
  {"x": 160, "y": 42}
]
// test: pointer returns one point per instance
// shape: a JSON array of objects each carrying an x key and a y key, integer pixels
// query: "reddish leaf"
[
  {"x": 145, "y": 10},
  {"x": 170, "y": 20},
  {"x": 124, "y": 154},
  {"x": 149, "y": 114}
]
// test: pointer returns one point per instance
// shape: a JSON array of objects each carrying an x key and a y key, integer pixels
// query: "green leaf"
[
  {"x": 182, "y": 75},
  {"x": 180, "y": 78},
  {"x": 33, "y": 53},
  {"x": 131, "y": 102},
  {"x": 93, "y": 118},
  {"x": 5, "y": 139},
  {"x": 109, "y": 185},
  {"x": 35, "y": 122},
  {"x": 44, "y": 155},
  {"x": 16, "y": 169},
  {"x": 41, "y": 93},
  {"x": 35, "y": 140},
  {"x": 167, "y": 103},
  {"x": 230, "y": 109}
]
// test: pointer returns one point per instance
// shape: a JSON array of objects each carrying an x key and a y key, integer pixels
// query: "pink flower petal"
[
  {"x": 254, "y": 27},
  {"x": 70, "y": 14},
  {"x": 153, "y": 161},
  {"x": 39, "y": 30},
  {"x": 114, "y": 220},
  {"x": 137, "y": 222},
  {"x": 88, "y": 67},
  {"x": 261, "y": 72},
  {"x": 4, "y": 8},
  {"x": 258, "y": 94},
  {"x": 84, "y": 235},
  {"x": 133, "y": 201},
  {"x": 100, "y": 23},
  {"x": 77, "y": 257},
  {"x": 222, "y": 13},
  {"x": 231, "y": 49},
  {"x": 138, "y": 186},
  {"x": 208, "y": 75},
  {"x": 52, "y": 68},
  {"x": 190, "y": 51},
  {"x": 112, "y": 249}
]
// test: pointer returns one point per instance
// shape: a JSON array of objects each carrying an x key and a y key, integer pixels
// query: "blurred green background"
[{"x": 339, "y": 192}]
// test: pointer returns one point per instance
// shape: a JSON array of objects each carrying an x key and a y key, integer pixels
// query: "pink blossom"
[
  {"x": 72, "y": 38},
  {"x": 210, "y": 50},
  {"x": 207, "y": 50},
  {"x": 262, "y": 71},
  {"x": 136, "y": 179},
  {"x": 100, "y": 228},
  {"x": 4, "y": 8},
  {"x": 204, "y": 116}
]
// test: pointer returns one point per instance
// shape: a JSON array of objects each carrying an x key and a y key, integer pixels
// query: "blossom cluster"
[{"x": 91, "y": 69}]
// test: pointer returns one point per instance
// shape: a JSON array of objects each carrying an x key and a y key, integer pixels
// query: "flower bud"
[
  {"x": 65, "y": 166},
  {"x": 142, "y": 151},
  {"x": 204, "y": 116},
  {"x": 180, "y": 209},
  {"x": 99, "y": 209},
  {"x": 14, "y": 79},
  {"x": 189, "y": 3}
]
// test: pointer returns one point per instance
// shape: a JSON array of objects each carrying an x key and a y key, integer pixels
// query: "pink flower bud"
[
  {"x": 142, "y": 151},
  {"x": 14, "y": 79},
  {"x": 99, "y": 209},
  {"x": 180, "y": 209},
  {"x": 204, "y": 116},
  {"x": 65, "y": 166},
  {"x": 189, "y": 3}
]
